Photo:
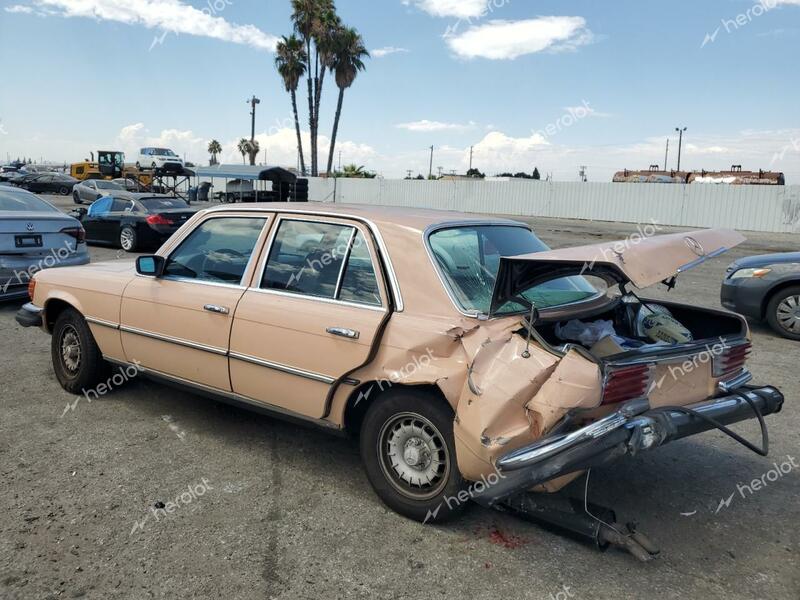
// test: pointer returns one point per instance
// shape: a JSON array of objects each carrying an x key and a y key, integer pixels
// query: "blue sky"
[{"x": 553, "y": 84}]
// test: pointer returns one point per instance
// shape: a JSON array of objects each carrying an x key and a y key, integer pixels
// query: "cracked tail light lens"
[
  {"x": 731, "y": 360},
  {"x": 627, "y": 383}
]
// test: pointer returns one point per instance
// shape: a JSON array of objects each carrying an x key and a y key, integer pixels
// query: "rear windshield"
[
  {"x": 21, "y": 201},
  {"x": 154, "y": 204},
  {"x": 469, "y": 259},
  {"x": 107, "y": 185}
]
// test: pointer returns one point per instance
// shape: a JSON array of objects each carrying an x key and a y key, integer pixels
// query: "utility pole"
[
  {"x": 430, "y": 168},
  {"x": 582, "y": 173},
  {"x": 471, "y": 149},
  {"x": 666, "y": 157},
  {"x": 680, "y": 144},
  {"x": 252, "y": 102}
]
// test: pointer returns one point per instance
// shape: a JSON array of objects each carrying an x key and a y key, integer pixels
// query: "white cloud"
[
  {"x": 19, "y": 8},
  {"x": 426, "y": 126},
  {"x": 171, "y": 16},
  {"x": 505, "y": 40},
  {"x": 460, "y": 9},
  {"x": 387, "y": 50}
]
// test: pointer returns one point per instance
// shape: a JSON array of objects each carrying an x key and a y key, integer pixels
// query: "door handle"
[
  {"x": 220, "y": 310},
  {"x": 351, "y": 334}
]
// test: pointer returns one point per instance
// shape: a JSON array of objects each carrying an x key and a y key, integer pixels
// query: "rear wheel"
[
  {"x": 408, "y": 450},
  {"x": 127, "y": 239},
  {"x": 783, "y": 313},
  {"x": 63, "y": 190},
  {"x": 77, "y": 360}
]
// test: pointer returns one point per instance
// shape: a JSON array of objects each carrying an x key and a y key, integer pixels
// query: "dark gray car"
[
  {"x": 766, "y": 288},
  {"x": 34, "y": 235}
]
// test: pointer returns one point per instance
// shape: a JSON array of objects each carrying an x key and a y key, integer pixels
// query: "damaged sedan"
[{"x": 472, "y": 362}]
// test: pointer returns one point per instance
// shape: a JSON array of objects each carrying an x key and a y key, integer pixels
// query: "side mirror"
[{"x": 150, "y": 266}]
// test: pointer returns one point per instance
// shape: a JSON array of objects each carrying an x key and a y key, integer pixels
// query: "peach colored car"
[{"x": 472, "y": 363}]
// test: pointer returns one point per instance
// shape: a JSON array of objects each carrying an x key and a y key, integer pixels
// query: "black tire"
[
  {"x": 783, "y": 312},
  {"x": 389, "y": 418},
  {"x": 77, "y": 361},
  {"x": 63, "y": 190},
  {"x": 128, "y": 240},
  {"x": 138, "y": 166},
  {"x": 76, "y": 198}
]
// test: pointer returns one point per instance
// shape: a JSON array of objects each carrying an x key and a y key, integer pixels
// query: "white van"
[{"x": 159, "y": 158}]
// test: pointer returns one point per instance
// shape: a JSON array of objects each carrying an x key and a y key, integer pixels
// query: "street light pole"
[
  {"x": 252, "y": 102},
  {"x": 430, "y": 169},
  {"x": 680, "y": 144}
]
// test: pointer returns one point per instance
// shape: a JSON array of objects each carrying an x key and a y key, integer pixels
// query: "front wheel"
[
  {"x": 76, "y": 197},
  {"x": 783, "y": 313},
  {"x": 77, "y": 360},
  {"x": 408, "y": 450},
  {"x": 127, "y": 239}
]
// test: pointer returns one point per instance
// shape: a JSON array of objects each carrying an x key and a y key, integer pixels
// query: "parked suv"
[{"x": 159, "y": 158}]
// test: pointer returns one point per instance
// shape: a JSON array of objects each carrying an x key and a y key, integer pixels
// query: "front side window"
[
  {"x": 218, "y": 250},
  {"x": 323, "y": 260},
  {"x": 469, "y": 259}
]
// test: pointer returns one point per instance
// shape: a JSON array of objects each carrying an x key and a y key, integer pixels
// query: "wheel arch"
[
  {"x": 368, "y": 393},
  {"x": 53, "y": 308},
  {"x": 776, "y": 289}
]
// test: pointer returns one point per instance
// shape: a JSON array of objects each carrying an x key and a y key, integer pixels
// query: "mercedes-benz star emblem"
[{"x": 695, "y": 246}]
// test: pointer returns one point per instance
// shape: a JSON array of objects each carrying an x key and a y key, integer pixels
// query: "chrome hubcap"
[
  {"x": 414, "y": 456},
  {"x": 789, "y": 314},
  {"x": 70, "y": 349},
  {"x": 126, "y": 239}
]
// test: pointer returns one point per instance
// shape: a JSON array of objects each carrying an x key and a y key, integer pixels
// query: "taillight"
[
  {"x": 731, "y": 360},
  {"x": 31, "y": 288},
  {"x": 79, "y": 233},
  {"x": 627, "y": 383},
  {"x": 159, "y": 220}
]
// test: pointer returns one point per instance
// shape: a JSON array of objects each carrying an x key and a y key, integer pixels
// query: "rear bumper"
[
  {"x": 30, "y": 315},
  {"x": 622, "y": 433},
  {"x": 16, "y": 271}
]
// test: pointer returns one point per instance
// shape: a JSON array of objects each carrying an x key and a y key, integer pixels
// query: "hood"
[
  {"x": 765, "y": 259},
  {"x": 641, "y": 261}
]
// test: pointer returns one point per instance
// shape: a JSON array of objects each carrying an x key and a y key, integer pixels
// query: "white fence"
[{"x": 748, "y": 208}]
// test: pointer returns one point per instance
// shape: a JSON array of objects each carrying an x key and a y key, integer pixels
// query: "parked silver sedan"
[
  {"x": 90, "y": 190},
  {"x": 34, "y": 235}
]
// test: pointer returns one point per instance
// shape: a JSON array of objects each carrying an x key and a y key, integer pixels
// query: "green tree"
[
  {"x": 536, "y": 174},
  {"x": 214, "y": 148},
  {"x": 291, "y": 63},
  {"x": 349, "y": 53},
  {"x": 244, "y": 147}
]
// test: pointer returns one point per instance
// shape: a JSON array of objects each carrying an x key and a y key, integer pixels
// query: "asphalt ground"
[{"x": 266, "y": 509}]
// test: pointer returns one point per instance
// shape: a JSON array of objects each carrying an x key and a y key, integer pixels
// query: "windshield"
[
  {"x": 153, "y": 204},
  {"x": 107, "y": 185},
  {"x": 22, "y": 201},
  {"x": 469, "y": 258},
  {"x": 163, "y": 152}
]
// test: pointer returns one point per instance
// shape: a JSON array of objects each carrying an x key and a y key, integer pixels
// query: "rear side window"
[
  {"x": 218, "y": 250},
  {"x": 121, "y": 205},
  {"x": 323, "y": 260}
]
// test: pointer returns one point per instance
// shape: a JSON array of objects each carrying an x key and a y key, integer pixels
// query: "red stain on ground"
[{"x": 506, "y": 540}]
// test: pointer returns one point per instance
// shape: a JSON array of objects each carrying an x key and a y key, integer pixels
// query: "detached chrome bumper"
[
  {"x": 29, "y": 315},
  {"x": 632, "y": 429}
]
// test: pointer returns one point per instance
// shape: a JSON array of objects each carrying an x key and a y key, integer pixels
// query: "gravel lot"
[{"x": 279, "y": 511}]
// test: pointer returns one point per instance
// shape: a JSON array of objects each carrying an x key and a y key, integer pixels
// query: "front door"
[
  {"x": 179, "y": 324},
  {"x": 310, "y": 317}
]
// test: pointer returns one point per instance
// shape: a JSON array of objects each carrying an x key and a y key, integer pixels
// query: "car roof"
[{"x": 385, "y": 217}]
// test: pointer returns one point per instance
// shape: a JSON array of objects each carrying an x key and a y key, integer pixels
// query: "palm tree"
[
  {"x": 214, "y": 148},
  {"x": 244, "y": 147},
  {"x": 253, "y": 148},
  {"x": 348, "y": 54},
  {"x": 290, "y": 60},
  {"x": 325, "y": 34},
  {"x": 306, "y": 15}
]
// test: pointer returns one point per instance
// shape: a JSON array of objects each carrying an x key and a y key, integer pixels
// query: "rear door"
[
  {"x": 310, "y": 315},
  {"x": 180, "y": 324}
]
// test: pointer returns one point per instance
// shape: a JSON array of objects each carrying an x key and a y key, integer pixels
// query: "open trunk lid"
[{"x": 642, "y": 261}]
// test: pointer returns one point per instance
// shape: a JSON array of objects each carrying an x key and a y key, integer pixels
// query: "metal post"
[
  {"x": 680, "y": 144},
  {"x": 430, "y": 169},
  {"x": 666, "y": 157}
]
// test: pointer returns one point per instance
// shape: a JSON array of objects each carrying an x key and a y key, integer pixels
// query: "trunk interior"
[{"x": 702, "y": 325}]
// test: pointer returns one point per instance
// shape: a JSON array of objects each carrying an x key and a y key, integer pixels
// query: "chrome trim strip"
[
  {"x": 232, "y": 396},
  {"x": 102, "y": 322},
  {"x": 731, "y": 384},
  {"x": 701, "y": 260},
  {"x": 394, "y": 284},
  {"x": 345, "y": 259},
  {"x": 233, "y": 286},
  {"x": 282, "y": 368},
  {"x": 380, "y": 309},
  {"x": 174, "y": 340}
]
